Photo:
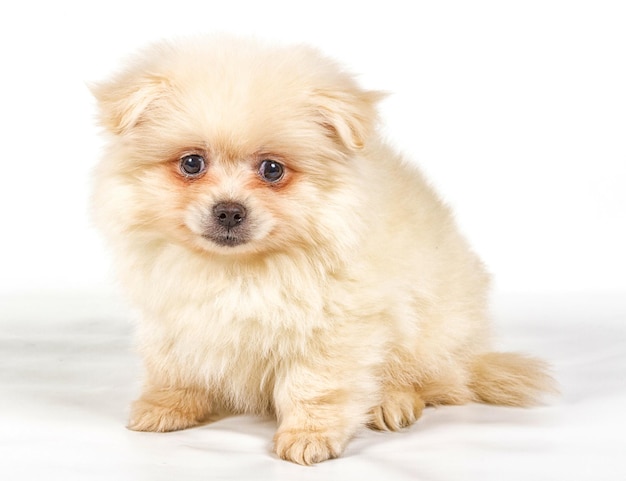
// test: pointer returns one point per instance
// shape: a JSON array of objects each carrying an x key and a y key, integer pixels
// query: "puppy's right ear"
[{"x": 125, "y": 100}]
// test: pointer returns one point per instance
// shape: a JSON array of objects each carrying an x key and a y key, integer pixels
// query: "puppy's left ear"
[{"x": 349, "y": 115}]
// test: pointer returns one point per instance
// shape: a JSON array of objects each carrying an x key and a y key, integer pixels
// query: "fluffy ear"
[
  {"x": 350, "y": 115},
  {"x": 125, "y": 99}
]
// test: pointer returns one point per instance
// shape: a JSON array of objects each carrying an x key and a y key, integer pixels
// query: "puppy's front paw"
[
  {"x": 307, "y": 447},
  {"x": 168, "y": 410},
  {"x": 398, "y": 410},
  {"x": 145, "y": 416}
]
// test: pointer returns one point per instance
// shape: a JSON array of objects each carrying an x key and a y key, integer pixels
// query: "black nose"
[{"x": 229, "y": 214}]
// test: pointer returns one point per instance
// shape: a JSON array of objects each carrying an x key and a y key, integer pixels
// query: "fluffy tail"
[{"x": 510, "y": 379}]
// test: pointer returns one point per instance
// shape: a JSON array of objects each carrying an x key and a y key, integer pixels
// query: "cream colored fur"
[{"x": 354, "y": 302}]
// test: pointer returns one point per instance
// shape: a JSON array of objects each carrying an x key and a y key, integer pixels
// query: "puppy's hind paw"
[{"x": 398, "y": 410}]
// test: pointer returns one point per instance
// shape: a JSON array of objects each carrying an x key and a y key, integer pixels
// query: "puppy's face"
[{"x": 233, "y": 149}]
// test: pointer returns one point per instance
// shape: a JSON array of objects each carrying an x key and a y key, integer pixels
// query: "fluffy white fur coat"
[{"x": 353, "y": 300}]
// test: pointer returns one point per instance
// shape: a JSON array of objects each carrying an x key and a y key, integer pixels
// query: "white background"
[{"x": 515, "y": 110}]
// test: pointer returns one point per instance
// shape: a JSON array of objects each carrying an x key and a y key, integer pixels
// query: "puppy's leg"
[
  {"x": 169, "y": 409},
  {"x": 319, "y": 411},
  {"x": 400, "y": 407}
]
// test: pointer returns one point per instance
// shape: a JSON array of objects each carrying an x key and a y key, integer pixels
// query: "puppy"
[{"x": 283, "y": 258}]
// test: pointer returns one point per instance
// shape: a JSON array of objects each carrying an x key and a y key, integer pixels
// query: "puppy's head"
[{"x": 232, "y": 148}]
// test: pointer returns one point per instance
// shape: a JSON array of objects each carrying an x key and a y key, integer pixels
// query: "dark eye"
[
  {"x": 192, "y": 165},
  {"x": 271, "y": 171}
]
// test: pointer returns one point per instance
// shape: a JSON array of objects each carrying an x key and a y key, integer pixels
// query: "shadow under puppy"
[{"x": 285, "y": 259}]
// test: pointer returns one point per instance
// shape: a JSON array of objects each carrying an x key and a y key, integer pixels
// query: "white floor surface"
[{"x": 68, "y": 373}]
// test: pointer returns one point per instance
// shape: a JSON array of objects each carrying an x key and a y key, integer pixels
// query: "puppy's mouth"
[{"x": 226, "y": 239}]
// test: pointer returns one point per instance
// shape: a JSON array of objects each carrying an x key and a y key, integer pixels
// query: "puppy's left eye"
[{"x": 271, "y": 171}]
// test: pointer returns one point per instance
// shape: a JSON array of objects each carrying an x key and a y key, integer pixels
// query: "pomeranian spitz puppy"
[{"x": 283, "y": 258}]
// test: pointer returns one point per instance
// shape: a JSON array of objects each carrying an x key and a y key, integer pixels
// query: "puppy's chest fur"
[{"x": 232, "y": 331}]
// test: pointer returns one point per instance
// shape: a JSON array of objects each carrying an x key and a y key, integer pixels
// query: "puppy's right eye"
[{"x": 192, "y": 165}]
